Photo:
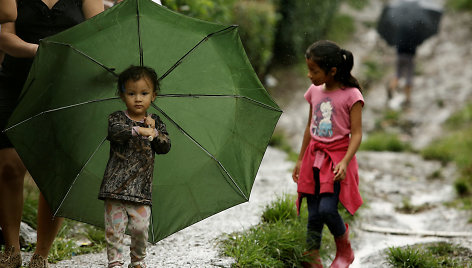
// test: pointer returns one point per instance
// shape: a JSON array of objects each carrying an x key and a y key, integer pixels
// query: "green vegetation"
[
  {"x": 341, "y": 28},
  {"x": 256, "y": 19},
  {"x": 432, "y": 255},
  {"x": 383, "y": 141},
  {"x": 275, "y": 31},
  {"x": 301, "y": 23},
  {"x": 465, "y": 5},
  {"x": 456, "y": 146},
  {"x": 65, "y": 245},
  {"x": 372, "y": 72},
  {"x": 408, "y": 208},
  {"x": 278, "y": 140},
  {"x": 279, "y": 240}
]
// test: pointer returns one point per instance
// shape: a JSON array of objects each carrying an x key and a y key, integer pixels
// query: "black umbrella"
[{"x": 408, "y": 23}]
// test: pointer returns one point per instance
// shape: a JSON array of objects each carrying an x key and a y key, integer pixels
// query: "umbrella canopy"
[
  {"x": 408, "y": 23},
  {"x": 218, "y": 115}
]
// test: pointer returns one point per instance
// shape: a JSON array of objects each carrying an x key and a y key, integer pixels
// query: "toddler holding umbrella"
[{"x": 135, "y": 137}]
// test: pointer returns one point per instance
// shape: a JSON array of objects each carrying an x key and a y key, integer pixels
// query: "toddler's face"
[{"x": 138, "y": 96}]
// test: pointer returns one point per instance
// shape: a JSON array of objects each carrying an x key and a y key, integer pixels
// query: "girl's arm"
[
  {"x": 7, "y": 10},
  {"x": 354, "y": 143},
  {"x": 91, "y": 8},
  {"x": 306, "y": 141}
]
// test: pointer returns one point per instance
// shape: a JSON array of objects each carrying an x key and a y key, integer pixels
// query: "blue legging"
[{"x": 323, "y": 209}]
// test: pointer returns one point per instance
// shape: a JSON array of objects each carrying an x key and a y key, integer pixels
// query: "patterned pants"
[{"x": 119, "y": 215}]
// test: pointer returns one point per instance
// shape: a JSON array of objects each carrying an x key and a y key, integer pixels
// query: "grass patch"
[
  {"x": 372, "y": 72},
  {"x": 279, "y": 141},
  {"x": 456, "y": 147},
  {"x": 382, "y": 141},
  {"x": 408, "y": 208},
  {"x": 431, "y": 255},
  {"x": 65, "y": 245},
  {"x": 279, "y": 240}
]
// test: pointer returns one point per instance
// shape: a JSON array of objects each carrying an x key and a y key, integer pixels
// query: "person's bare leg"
[
  {"x": 407, "y": 94},
  {"x": 48, "y": 227},
  {"x": 12, "y": 173},
  {"x": 392, "y": 87}
]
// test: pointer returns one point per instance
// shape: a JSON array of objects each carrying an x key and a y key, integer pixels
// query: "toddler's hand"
[
  {"x": 150, "y": 122},
  {"x": 147, "y": 132}
]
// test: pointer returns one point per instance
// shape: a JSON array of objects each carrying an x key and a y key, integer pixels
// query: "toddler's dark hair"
[
  {"x": 135, "y": 73},
  {"x": 327, "y": 55}
]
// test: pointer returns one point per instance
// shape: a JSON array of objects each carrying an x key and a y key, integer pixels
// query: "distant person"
[
  {"x": 36, "y": 19},
  {"x": 326, "y": 170},
  {"x": 405, "y": 66},
  {"x": 135, "y": 137}
]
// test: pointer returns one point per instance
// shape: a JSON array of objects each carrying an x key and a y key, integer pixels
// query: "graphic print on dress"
[{"x": 321, "y": 124}]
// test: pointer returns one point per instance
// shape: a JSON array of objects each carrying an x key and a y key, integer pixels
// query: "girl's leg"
[
  {"x": 48, "y": 227},
  {"x": 139, "y": 229},
  {"x": 315, "y": 222},
  {"x": 328, "y": 211},
  {"x": 116, "y": 220},
  {"x": 12, "y": 174}
]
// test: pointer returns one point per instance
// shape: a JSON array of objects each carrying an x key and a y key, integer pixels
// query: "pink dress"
[{"x": 330, "y": 131}]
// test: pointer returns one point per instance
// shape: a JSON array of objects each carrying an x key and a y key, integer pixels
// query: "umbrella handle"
[{"x": 150, "y": 138}]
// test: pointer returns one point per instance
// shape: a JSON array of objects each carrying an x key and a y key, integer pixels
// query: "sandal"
[
  {"x": 138, "y": 264},
  {"x": 9, "y": 259},
  {"x": 37, "y": 261}
]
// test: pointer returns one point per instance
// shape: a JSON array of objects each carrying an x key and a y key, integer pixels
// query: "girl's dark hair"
[
  {"x": 135, "y": 73},
  {"x": 327, "y": 55}
]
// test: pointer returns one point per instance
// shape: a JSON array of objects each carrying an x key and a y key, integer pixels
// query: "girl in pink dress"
[{"x": 326, "y": 170}]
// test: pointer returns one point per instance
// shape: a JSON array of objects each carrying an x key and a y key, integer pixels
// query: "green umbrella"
[{"x": 219, "y": 116}]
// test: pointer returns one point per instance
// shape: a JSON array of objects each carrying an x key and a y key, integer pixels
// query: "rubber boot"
[
  {"x": 344, "y": 254},
  {"x": 315, "y": 259}
]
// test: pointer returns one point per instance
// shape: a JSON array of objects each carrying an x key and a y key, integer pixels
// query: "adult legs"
[
  {"x": 12, "y": 173},
  {"x": 406, "y": 68},
  {"x": 48, "y": 227}
]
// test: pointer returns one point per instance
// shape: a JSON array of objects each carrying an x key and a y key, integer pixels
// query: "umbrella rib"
[
  {"x": 217, "y": 96},
  {"x": 58, "y": 109},
  {"x": 138, "y": 19},
  {"x": 111, "y": 70},
  {"x": 78, "y": 174},
  {"x": 232, "y": 27},
  {"x": 203, "y": 148}
]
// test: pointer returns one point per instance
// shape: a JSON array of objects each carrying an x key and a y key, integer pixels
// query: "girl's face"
[
  {"x": 138, "y": 96},
  {"x": 317, "y": 75}
]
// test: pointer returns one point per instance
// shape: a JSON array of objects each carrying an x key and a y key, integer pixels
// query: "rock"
[{"x": 27, "y": 235}]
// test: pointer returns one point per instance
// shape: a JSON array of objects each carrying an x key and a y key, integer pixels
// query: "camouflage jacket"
[{"x": 129, "y": 172}]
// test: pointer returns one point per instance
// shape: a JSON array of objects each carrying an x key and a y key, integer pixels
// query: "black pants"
[{"x": 323, "y": 209}]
